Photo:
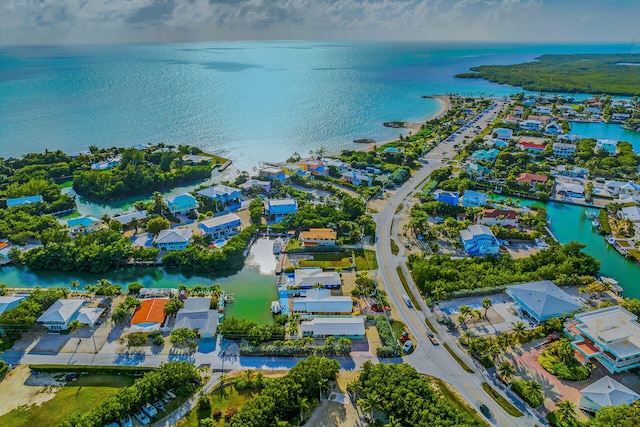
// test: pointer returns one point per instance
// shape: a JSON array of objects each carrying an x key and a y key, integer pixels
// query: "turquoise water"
[
  {"x": 569, "y": 222},
  {"x": 244, "y": 100},
  {"x": 606, "y": 131}
]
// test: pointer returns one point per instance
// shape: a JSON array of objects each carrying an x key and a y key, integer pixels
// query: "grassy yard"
[
  {"x": 232, "y": 398},
  {"x": 455, "y": 400},
  {"x": 80, "y": 396},
  {"x": 333, "y": 260}
]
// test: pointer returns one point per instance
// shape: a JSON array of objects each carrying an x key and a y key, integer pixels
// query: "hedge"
[
  {"x": 90, "y": 369},
  {"x": 390, "y": 346}
]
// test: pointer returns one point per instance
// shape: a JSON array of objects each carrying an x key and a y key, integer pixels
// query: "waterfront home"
[
  {"x": 149, "y": 316},
  {"x": 356, "y": 178},
  {"x": 145, "y": 293},
  {"x": 315, "y": 167},
  {"x": 609, "y": 335},
  {"x": 472, "y": 198},
  {"x": 173, "y": 239},
  {"x": 630, "y": 189},
  {"x": 485, "y": 155},
  {"x": 532, "y": 179},
  {"x": 278, "y": 209},
  {"x": 57, "y": 317},
  {"x": 511, "y": 119},
  {"x": 307, "y": 278},
  {"x": 318, "y": 237},
  {"x": 126, "y": 218},
  {"x": 194, "y": 159},
  {"x": 542, "y": 300},
  {"x": 542, "y": 109},
  {"x": 85, "y": 224},
  {"x": 553, "y": 128},
  {"x": 606, "y": 392},
  {"x": 592, "y": 111},
  {"x": 570, "y": 190},
  {"x": 620, "y": 117},
  {"x": 142, "y": 147},
  {"x": 221, "y": 226},
  {"x": 501, "y": 217},
  {"x": 479, "y": 240},
  {"x": 221, "y": 193},
  {"x": 495, "y": 142},
  {"x": 532, "y": 147},
  {"x": 632, "y": 213},
  {"x": 607, "y": 145},
  {"x": 563, "y": 149},
  {"x": 196, "y": 314},
  {"x": 518, "y": 110},
  {"x": 613, "y": 187},
  {"x": 450, "y": 197},
  {"x": 110, "y": 163},
  {"x": 336, "y": 326},
  {"x": 272, "y": 173},
  {"x": 264, "y": 185},
  {"x": 339, "y": 164},
  {"x": 182, "y": 203},
  {"x": 476, "y": 170},
  {"x": 320, "y": 301},
  {"x": 532, "y": 125},
  {"x": 8, "y": 302},
  {"x": 503, "y": 134},
  {"x": 291, "y": 169},
  {"x": 22, "y": 201}
]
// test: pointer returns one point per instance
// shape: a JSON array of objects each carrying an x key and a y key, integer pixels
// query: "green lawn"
[
  {"x": 80, "y": 396},
  {"x": 455, "y": 401},
  {"x": 66, "y": 184},
  {"x": 333, "y": 260}
]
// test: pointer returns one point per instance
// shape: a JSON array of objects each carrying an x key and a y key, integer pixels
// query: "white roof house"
[
  {"x": 60, "y": 314},
  {"x": 320, "y": 327},
  {"x": 320, "y": 300},
  {"x": 198, "y": 315},
  {"x": 308, "y": 277},
  {"x": 543, "y": 300},
  {"x": 606, "y": 392},
  {"x": 126, "y": 218},
  {"x": 89, "y": 316},
  {"x": 176, "y": 239},
  {"x": 7, "y": 303}
]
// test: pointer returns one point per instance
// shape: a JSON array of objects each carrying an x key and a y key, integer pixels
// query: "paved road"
[{"x": 427, "y": 358}]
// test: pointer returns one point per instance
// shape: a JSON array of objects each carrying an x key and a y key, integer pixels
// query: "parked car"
[
  {"x": 170, "y": 394},
  {"x": 485, "y": 411},
  {"x": 404, "y": 337},
  {"x": 407, "y": 300},
  {"x": 144, "y": 420},
  {"x": 158, "y": 404},
  {"x": 114, "y": 424},
  {"x": 150, "y": 410},
  {"x": 126, "y": 421},
  {"x": 407, "y": 346}
]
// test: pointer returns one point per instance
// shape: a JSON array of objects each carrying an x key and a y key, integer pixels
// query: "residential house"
[
  {"x": 613, "y": 187},
  {"x": 196, "y": 314},
  {"x": 195, "y": 159},
  {"x": 21, "y": 201},
  {"x": 318, "y": 237},
  {"x": 532, "y": 147},
  {"x": 620, "y": 117},
  {"x": 149, "y": 316},
  {"x": 221, "y": 226},
  {"x": 221, "y": 193},
  {"x": 542, "y": 109},
  {"x": 264, "y": 185},
  {"x": 110, "y": 163},
  {"x": 632, "y": 213},
  {"x": 592, "y": 110},
  {"x": 182, "y": 203},
  {"x": 58, "y": 317},
  {"x": 563, "y": 149},
  {"x": 320, "y": 301},
  {"x": 532, "y": 125},
  {"x": 495, "y": 142},
  {"x": 606, "y": 392},
  {"x": 126, "y": 218},
  {"x": 630, "y": 189},
  {"x": 450, "y": 197},
  {"x": 503, "y": 134},
  {"x": 501, "y": 217},
  {"x": 553, "y": 128},
  {"x": 307, "y": 278},
  {"x": 315, "y": 167},
  {"x": 476, "y": 170},
  {"x": 356, "y": 178},
  {"x": 511, "y": 119},
  {"x": 609, "y": 335},
  {"x": 85, "y": 224},
  {"x": 339, "y": 164},
  {"x": 9, "y": 302},
  {"x": 291, "y": 169},
  {"x": 272, "y": 173},
  {"x": 542, "y": 300},
  {"x": 173, "y": 239},
  {"x": 479, "y": 240},
  {"x": 142, "y": 147},
  {"x": 485, "y": 155},
  {"x": 544, "y": 120},
  {"x": 575, "y": 191},
  {"x": 518, "y": 110},
  {"x": 278, "y": 209},
  {"x": 608, "y": 145},
  {"x": 351, "y": 327},
  {"x": 532, "y": 179},
  {"x": 472, "y": 198}
]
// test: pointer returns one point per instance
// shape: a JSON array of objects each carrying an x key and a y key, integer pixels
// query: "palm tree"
[
  {"x": 464, "y": 311},
  {"x": 519, "y": 331},
  {"x": 370, "y": 404},
  {"x": 468, "y": 335},
  {"x": 74, "y": 326},
  {"x": 494, "y": 351},
  {"x": 74, "y": 285},
  {"x": 566, "y": 410},
  {"x": 249, "y": 374},
  {"x": 438, "y": 294},
  {"x": 532, "y": 391},
  {"x": 135, "y": 223},
  {"x": 486, "y": 304},
  {"x": 506, "y": 371},
  {"x": 393, "y": 422},
  {"x": 304, "y": 407}
]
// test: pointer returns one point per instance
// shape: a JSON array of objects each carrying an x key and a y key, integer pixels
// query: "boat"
[
  {"x": 595, "y": 223},
  {"x": 590, "y": 214},
  {"x": 275, "y": 307},
  {"x": 277, "y": 245}
]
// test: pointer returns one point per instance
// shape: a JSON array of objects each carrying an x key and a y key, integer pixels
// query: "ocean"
[{"x": 251, "y": 102}]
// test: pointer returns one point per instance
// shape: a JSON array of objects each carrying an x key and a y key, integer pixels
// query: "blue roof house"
[
  {"x": 182, "y": 203},
  {"x": 479, "y": 240},
  {"x": 221, "y": 226},
  {"x": 278, "y": 209},
  {"x": 475, "y": 169},
  {"x": 85, "y": 224},
  {"x": 221, "y": 193},
  {"x": 485, "y": 155},
  {"x": 450, "y": 197},
  {"x": 475, "y": 199},
  {"x": 542, "y": 300},
  {"x": 20, "y": 201}
]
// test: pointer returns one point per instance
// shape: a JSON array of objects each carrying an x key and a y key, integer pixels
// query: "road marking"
[{"x": 481, "y": 401}]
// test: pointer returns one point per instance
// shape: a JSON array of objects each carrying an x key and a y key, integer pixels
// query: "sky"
[{"x": 123, "y": 21}]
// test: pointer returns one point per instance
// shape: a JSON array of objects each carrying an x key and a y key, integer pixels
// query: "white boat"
[
  {"x": 275, "y": 307},
  {"x": 595, "y": 223},
  {"x": 277, "y": 245},
  {"x": 590, "y": 214}
]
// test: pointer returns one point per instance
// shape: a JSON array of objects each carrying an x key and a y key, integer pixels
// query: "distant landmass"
[{"x": 613, "y": 74}]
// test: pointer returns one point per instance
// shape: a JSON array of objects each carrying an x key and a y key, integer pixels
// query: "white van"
[{"x": 407, "y": 346}]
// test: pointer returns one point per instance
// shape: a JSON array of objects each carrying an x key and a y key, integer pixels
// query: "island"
[{"x": 613, "y": 74}]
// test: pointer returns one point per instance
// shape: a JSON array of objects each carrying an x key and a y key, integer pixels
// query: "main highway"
[{"x": 428, "y": 358}]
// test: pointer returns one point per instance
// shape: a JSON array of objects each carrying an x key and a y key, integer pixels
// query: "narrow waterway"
[{"x": 253, "y": 287}]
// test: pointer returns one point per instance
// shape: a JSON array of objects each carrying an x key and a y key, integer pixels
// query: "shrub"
[
  {"x": 558, "y": 359},
  {"x": 158, "y": 340},
  {"x": 216, "y": 414},
  {"x": 204, "y": 404},
  {"x": 518, "y": 387},
  {"x": 390, "y": 347},
  {"x": 230, "y": 412},
  {"x": 134, "y": 288}
]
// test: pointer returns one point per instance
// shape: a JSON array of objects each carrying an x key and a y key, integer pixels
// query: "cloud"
[{"x": 60, "y": 21}]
